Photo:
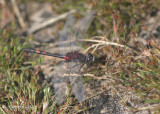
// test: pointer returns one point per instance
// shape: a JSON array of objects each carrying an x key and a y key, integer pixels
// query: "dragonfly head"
[{"x": 90, "y": 58}]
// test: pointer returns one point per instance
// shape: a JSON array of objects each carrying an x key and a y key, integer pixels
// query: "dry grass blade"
[
  {"x": 105, "y": 42},
  {"x": 18, "y": 14},
  {"x": 49, "y": 22},
  {"x": 86, "y": 75},
  {"x": 100, "y": 42}
]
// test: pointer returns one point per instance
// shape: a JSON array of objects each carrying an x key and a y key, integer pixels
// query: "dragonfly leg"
[
  {"x": 81, "y": 67},
  {"x": 75, "y": 66}
]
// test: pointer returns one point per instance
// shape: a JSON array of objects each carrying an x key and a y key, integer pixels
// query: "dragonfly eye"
[{"x": 90, "y": 58}]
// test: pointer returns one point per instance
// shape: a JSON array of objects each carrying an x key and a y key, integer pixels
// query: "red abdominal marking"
[
  {"x": 43, "y": 52},
  {"x": 66, "y": 58},
  {"x": 37, "y": 51}
]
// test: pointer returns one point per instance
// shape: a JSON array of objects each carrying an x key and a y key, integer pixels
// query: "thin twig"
[
  {"x": 92, "y": 46},
  {"x": 100, "y": 42},
  {"x": 87, "y": 75},
  {"x": 49, "y": 22},
  {"x": 105, "y": 42},
  {"x": 95, "y": 77},
  {"x": 97, "y": 45},
  {"x": 18, "y": 14}
]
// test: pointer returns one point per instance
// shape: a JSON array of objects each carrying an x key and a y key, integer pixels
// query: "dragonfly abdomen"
[{"x": 42, "y": 53}]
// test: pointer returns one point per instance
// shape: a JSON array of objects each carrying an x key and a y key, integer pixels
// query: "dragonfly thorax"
[{"x": 76, "y": 56}]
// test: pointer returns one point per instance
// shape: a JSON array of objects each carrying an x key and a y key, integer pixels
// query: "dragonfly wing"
[
  {"x": 65, "y": 35},
  {"x": 75, "y": 78},
  {"x": 76, "y": 81},
  {"x": 81, "y": 29},
  {"x": 60, "y": 82}
]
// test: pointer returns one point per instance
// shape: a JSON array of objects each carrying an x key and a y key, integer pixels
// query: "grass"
[{"x": 19, "y": 82}]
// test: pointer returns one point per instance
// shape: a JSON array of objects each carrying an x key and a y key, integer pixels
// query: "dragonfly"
[{"x": 73, "y": 59}]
